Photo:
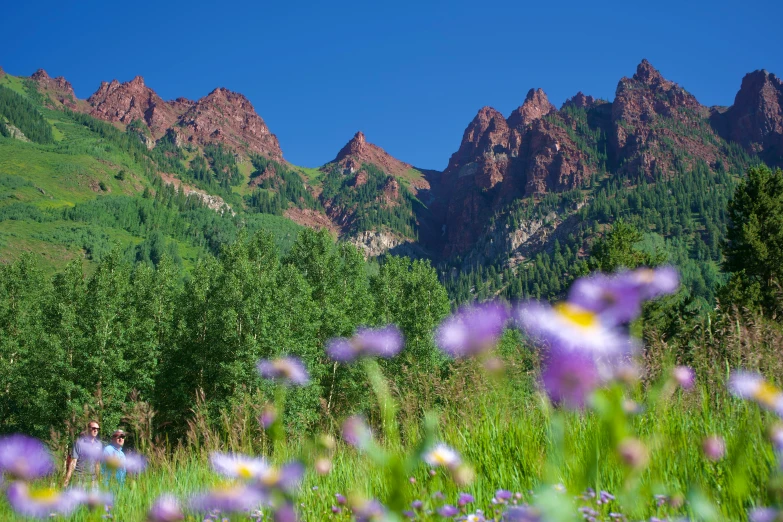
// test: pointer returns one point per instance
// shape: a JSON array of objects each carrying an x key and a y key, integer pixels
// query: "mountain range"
[{"x": 653, "y": 129}]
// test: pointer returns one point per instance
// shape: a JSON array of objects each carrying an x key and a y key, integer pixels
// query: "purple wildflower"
[
  {"x": 569, "y": 378},
  {"x": 135, "y": 463},
  {"x": 369, "y": 510},
  {"x": 763, "y": 514},
  {"x": 465, "y": 498},
  {"x": 684, "y": 377},
  {"x": 337, "y": 510},
  {"x": 238, "y": 466},
  {"x": 285, "y": 513},
  {"x": 24, "y": 457},
  {"x": 615, "y": 299},
  {"x": 753, "y": 386},
  {"x": 605, "y": 497},
  {"x": 356, "y": 432},
  {"x": 268, "y": 416},
  {"x": 94, "y": 498},
  {"x": 165, "y": 509},
  {"x": 417, "y": 504},
  {"x": 288, "y": 370},
  {"x": 478, "y": 516},
  {"x": 41, "y": 503},
  {"x": 521, "y": 514},
  {"x": 714, "y": 448},
  {"x": 367, "y": 342},
  {"x": 502, "y": 495},
  {"x": 229, "y": 499},
  {"x": 572, "y": 328},
  {"x": 472, "y": 329},
  {"x": 286, "y": 478},
  {"x": 340, "y": 499},
  {"x": 442, "y": 455},
  {"x": 448, "y": 511},
  {"x": 655, "y": 282}
]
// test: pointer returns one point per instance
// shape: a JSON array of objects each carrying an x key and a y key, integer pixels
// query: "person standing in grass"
[
  {"x": 113, "y": 466},
  {"x": 84, "y": 456}
]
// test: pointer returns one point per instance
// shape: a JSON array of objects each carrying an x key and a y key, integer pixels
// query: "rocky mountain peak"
[
  {"x": 359, "y": 151},
  {"x": 648, "y": 74},
  {"x": 40, "y": 75},
  {"x": 137, "y": 81},
  {"x": 535, "y": 106},
  {"x": 579, "y": 100},
  {"x": 129, "y": 101}
]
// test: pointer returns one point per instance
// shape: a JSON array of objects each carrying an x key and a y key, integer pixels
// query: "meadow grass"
[{"x": 522, "y": 444}]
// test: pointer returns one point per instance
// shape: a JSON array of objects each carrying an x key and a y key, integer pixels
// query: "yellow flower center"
[
  {"x": 577, "y": 315},
  {"x": 44, "y": 495},
  {"x": 244, "y": 471},
  {"x": 271, "y": 477},
  {"x": 767, "y": 394}
]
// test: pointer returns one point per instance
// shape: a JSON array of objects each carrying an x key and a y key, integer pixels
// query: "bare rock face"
[
  {"x": 227, "y": 117},
  {"x": 58, "y": 89},
  {"x": 358, "y": 151},
  {"x": 755, "y": 121},
  {"x": 129, "y": 101},
  {"x": 535, "y": 106},
  {"x": 654, "y": 120},
  {"x": 579, "y": 100}
]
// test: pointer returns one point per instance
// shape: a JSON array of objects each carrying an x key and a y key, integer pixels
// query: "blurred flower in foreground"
[
  {"x": 367, "y": 510},
  {"x": 753, "y": 386},
  {"x": 285, "y": 513},
  {"x": 521, "y": 514},
  {"x": 24, "y": 457},
  {"x": 288, "y": 370},
  {"x": 230, "y": 499},
  {"x": 634, "y": 453},
  {"x": 684, "y": 377},
  {"x": 764, "y": 514},
  {"x": 285, "y": 478},
  {"x": 94, "y": 498},
  {"x": 41, "y": 503},
  {"x": 135, "y": 463},
  {"x": 448, "y": 511},
  {"x": 165, "y": 509},
  {"x": 714, "y": 448},
  {"x": 569, "y": 378},
  {"x": 367, "y": 342},
  {"x": 472, "y": 329},
  {"x": 268, "y": 416},
  {"x": 572, "y": 328},
  {"x": 238, "y": 466},
  {"x": 618, "y": 298},
  {"x": 356, "y": 432},
  {"x": 465, "y": 498},
  {"x": 442, "y": 456}
]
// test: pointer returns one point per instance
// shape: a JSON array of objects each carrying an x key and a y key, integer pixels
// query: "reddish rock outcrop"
[
  {"x": 227, "y": 117},
  {"x": 129, "y": 101},
  {"x": 658, "y": 126},
  {"x": 536, "y": 105},
  {"x": 358, "y": 151},
  {"x": 755, "y": 121},
  {"x": 57, "y": 89}
]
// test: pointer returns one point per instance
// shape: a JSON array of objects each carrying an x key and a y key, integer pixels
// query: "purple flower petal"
[
  {"x": 383, "y": 342},
  {"x": 232, "y": 499},
  {"x": 472, "y": 329},
  {"x": 465, "y": 498},
  {"x": 24, "y": 457},
  {"x": 569, "y": 378},
  {"x": 356, "y": 432},
  {"x": 448, "y": 511},
  {"x": 288, "y": 370},
  {"x": 165, "y": 509},
  {"x": 43, "y": 502}
]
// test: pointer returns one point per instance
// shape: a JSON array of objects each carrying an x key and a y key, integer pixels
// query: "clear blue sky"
[{"x": 411, "y": 75}]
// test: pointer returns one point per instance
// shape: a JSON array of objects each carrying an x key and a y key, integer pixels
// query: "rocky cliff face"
[
  {"x": 57, "y": 89},
  {"x": 222, "y": 116},
  {"x": 358, "y": 151},
  {"x": 755, "y": 121}
]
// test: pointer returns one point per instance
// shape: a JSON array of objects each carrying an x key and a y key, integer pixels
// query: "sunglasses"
[
  {"x": 94, "y": 428},
  {"x": 120, "y": 437}
]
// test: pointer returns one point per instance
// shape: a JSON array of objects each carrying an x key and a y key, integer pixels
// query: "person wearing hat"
[{"x": 113, "y": 466}]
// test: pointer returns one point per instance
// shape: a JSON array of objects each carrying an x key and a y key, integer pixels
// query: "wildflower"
[
  {"x": 336, "y": 510},
  {"x": 289, "y": 370},
  {"x": 238, "y": 466},
  {"x": 285, "y": 513},
  {"x": 714, "y": 448},
  {"x": 285, "y": 478},
  {"x": 340, "y": 499},
  {"x": 472, "y": 329},
  {"x": 502, "y": 496},
  {"x": 94, "y": 498},
  {"x": 442, "y": 455},
  {"x": 654, "y": 282},
  {"x": 135, "y": 463},
  {"x": 569, "y": 378},
  {"x": 417, "y": 504},
  {"x": 463, "y": 475},
  {"x": 684, "y": 377},
  {"x": 356, "y": 432},
  {"x": 572, "y": 328},
  {"x": 381, "y": 342},
  {"x": 368, "y": 510},
  {"x": 323, "y": 466},
  {"x": 268, "y": 416},
  {"x": 521, "y": 514},
  {"x": 604, "y": 497},
  {"x": 633, "y": 452},
  {"x": 229, "y": 499},
  {"x": 753, "y": 386},
  {"x": 165, "y": 509},
  {"x": 448, "y": 511},
  {"x": 41, "y": 503},
  {"x": 465, "y": 498},
  {"x": 764, "y": 514},
  {"x": 475, "y": 517},
  {"x": 615, "y": 299},
  {"x": 24, "y": 457}
]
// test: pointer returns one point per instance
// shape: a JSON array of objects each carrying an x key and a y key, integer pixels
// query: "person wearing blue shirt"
[{"x": 113, "y": 466}]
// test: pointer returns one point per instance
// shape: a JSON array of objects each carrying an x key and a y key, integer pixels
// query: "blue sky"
[{"x": 410, "y": 75}]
